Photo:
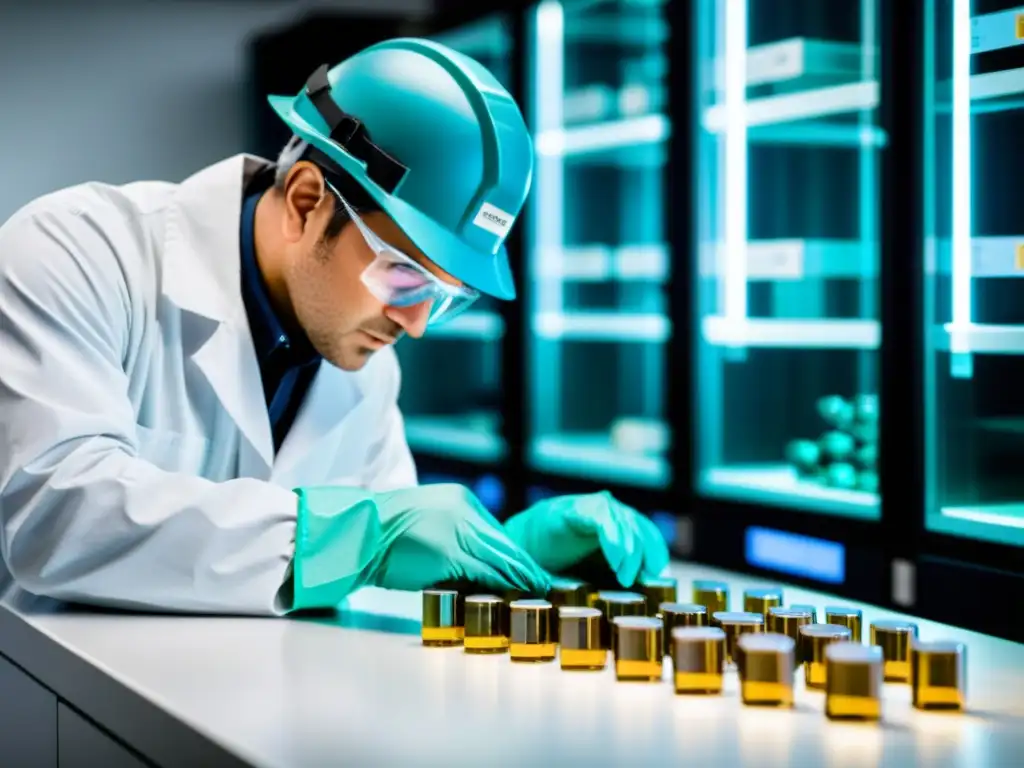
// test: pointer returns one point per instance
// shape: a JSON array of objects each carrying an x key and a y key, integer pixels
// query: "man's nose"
[{"x": 413, "y": 319}]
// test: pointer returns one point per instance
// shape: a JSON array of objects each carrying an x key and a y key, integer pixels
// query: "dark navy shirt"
[{"x": 288, "y": 362}]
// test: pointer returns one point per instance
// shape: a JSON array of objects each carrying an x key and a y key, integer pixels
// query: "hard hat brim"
[{"x": 487, "y": 272}]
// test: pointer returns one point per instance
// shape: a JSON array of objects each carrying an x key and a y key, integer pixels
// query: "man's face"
[{"x": 343, "y": 320}]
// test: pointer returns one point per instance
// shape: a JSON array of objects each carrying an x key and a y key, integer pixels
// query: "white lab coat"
[{"x": 137, "y": 467}]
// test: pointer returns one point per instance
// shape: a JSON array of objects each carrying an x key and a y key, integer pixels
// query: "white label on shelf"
[
  {"x": 634, "y": 100},
  {"x": 772, "y": 63},
  {"x": 583, "y": 262},
  {"x": 589, "y": 103},
  {"x": 775, "y": 260}
]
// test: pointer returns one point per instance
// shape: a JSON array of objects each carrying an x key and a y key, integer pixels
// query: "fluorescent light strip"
[
  {"x": 547, "y": 209},
  {"x": 471, "y": 325},
  {"x": 805, "y": 105},
  {"x": 994, "y": 85},
  {"x": 985, "y": 518},
  {"x": 649, "y": 129},
  {"x": 961, "y": 143},
  {"x": 781, "y": 333},
  {"x": 597, "y": 326},
  {"x": 983, "y": 339},
  {"x": 735, "y": 203}
]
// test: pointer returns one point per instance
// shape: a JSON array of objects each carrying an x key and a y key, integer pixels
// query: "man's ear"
[{"x": 305, "y": 194}]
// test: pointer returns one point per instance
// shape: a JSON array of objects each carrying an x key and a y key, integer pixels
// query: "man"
[{"x": 198, "y": 395}]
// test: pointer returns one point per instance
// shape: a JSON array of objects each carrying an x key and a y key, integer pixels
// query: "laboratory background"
[
  {"x": 770, "y": 283},
  {"x": 769, "y": 269}
]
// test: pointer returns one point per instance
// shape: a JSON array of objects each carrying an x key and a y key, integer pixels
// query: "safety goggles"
[{"x": 397, "y": 280}]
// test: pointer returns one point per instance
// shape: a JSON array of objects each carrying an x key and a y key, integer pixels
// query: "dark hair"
[{"x": 350, "y": 189}]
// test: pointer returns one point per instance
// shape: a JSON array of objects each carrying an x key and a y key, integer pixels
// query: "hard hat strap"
[{"x": 351, "y": 135}]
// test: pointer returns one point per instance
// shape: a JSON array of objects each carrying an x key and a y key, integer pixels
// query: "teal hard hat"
[{"x": 435, "y": 140}]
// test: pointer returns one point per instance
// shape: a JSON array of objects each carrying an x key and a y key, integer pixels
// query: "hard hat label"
[{"x": 494, "y": 220}]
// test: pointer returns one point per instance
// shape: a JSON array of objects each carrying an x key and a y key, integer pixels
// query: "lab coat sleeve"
[
  {"x": 82, "y": 516},
  {"x": 390, "y": 465}
]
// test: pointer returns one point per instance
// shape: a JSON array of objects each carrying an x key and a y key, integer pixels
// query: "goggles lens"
[{"x": 397, "y": 280}]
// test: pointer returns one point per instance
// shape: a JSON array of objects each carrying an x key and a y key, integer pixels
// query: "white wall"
[{"x": 119, "y": 90}]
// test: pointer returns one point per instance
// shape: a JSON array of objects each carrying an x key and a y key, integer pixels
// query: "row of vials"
[{"x": 767, "y": 643}]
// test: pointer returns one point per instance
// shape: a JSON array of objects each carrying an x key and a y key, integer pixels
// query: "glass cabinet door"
[
  {"x": 787, "y": 289},
  {"x": 452, "y": 378},
  {"x": 597, "y": 256},
  {"x": 974, "y": 261}
]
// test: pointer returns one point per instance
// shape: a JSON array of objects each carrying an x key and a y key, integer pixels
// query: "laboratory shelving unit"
[
  {"x": 975, "y": 311},
  {"x": 973, "y": 303},
  {"x": 598, "y": 259},
  {"x": 784, "y": 336},
  {"x": 856, "y": 236},
  {"x": 787, "y": 293}
]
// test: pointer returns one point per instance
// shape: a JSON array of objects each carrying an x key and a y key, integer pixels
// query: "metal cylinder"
[
  {"x": 567, "y": 592},
  {"x": 734, "y": 624},
  {"x": 814, "y": 639},
  {"x": 787, "y": 621},
  {"x": 511, "y": 595},
  {"x": 638, "y": 648},
  {"x": 698, "y": 659},
  {"x": 662, "y": 589},
  {"x": 894, "y": 637},
  {"x": 760, "y": 600},
  {"x": 580, "y": 633},
  {"x": 713, "y": 595},
  {"x": 938, "y": 674},
  {"x": 613, "y": 604},
  {"x": 766, "y": 675},
  {"x": 853, "y": 685},
  {"x": 531, "y": 637},
  {"x": 845, "y": 616},
  {"x": 680, "y": 615},
  {"x": 442, "y": 623},
  {"x": 486, "y": 624},
  {"x": 810, "y": 609}
]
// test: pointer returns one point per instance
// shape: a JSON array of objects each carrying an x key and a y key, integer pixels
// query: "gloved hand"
[
  {"x": 410, "y": 539},
  {"x": 563, "y": 531},
  {"x": 443, "y": 533}
]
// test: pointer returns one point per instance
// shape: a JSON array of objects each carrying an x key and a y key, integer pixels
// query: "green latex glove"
[
  {"x": 348, "y": 538},
  {"x": 337, "y": 538},
  {"x": 443, "y": 533},
  {"x": 563, "y": 531}
]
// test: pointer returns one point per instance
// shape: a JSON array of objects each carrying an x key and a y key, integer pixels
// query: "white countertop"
[{"x": 286, "y": 693}]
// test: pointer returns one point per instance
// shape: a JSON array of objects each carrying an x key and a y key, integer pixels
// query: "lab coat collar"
[
  {"x": 202, "y": 276},
  {"x": 201, "y": 273},
  {"x": 202, "y": 264}
]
